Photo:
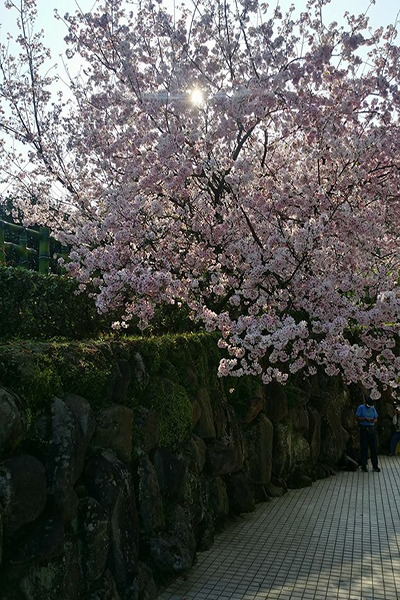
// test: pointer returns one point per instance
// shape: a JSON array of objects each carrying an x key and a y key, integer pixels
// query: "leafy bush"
[
  {"x": 35, "y": 306},
  {"x": 44, "y": 306}
]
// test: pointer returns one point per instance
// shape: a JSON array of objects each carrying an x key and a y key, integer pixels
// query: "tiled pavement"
[{"x": 338, "y": 539}]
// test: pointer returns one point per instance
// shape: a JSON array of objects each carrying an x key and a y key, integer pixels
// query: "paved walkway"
[{"x": 338, "y": 539}]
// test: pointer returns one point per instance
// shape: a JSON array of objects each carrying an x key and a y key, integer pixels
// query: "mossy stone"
[{"x": 172, "y": 402}]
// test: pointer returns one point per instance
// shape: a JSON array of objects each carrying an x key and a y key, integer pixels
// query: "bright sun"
[{"x": 196, "y": 96}]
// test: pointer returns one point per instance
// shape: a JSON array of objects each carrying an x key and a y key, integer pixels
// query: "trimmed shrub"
[{"x": 44, "y": 306}]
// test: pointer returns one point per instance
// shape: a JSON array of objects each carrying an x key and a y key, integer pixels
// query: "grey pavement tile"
[{"x": 338, "y": 540}]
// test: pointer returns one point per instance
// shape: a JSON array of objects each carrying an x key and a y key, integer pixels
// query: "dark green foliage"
[
  {"x": 43, "y": 306},
  {"x": 37, "y": 371},
  {"x": 172, "y": 318},
  {"x": 239, "y": 390},
  {"x": 176, "y": 365},
  {"x": 85, "y": 369},
  {"x": 35, "y": 306},
  {"x": 28, "y": 372},
  {"x": 172, "y": 402}
]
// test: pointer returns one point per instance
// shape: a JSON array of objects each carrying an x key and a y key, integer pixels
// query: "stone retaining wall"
[{"x": 93, "y": 507}]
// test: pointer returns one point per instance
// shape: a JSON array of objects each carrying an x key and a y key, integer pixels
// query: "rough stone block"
[
  {"x": 93, "y": 533},
  {"x": 147, "y": 425},
  {"x": 348, "y": 418},
  {"x": 274, "y": 491},
  {"x": 275, "y": 402},
  {"x": 219, "y": 502},
  {"x": 333, "y": 436},
  {"x": 121, "y": 379},
  {"x": 196, "y": 411},
  {"x": 300, "y": 450},
  {"x": 226, "y": 454},
  {"x": 205, "y": 427},
  {"x": 39, "y": 542},
  {"x": 83, "y": 413},
  {"x": 258, "y": 443},
  {"x": 299, "y": 418},
  {"x": 314, "y": 433},
  {"x": 205, "y": 533},
  {"x": 254, "y": 405},
  {"x": 218, "y": 406},
  {"x": 222, "y": 459},
  {"x": 23, "y": 491},
  {"x": 170, "y": 473},
  {"x": 240, "y": 493},
  {"x": 12, "y": 421},
  {"x": 140, "y": 375},
  {"x": 196, "y": 451},
  {"x": 110, "y": 482},
  {"x": 299, "y": 479},
  {"x": 282, "y": 459},
  {"x": 123, "y": 554},
  {"x": 150, "y": 506},
  {"x": 196, "y": 495},
  {"x": 65, "y": 457},
  {"x": 51, "y": 580},
  {"x": 146, "y": 587},
  {"x": 104, "y": 588},
  {"x": 1, "y": 538},
  {"x": 114, "y": 431},
  {"x": 169, "y": 555},
  {"x": 180, "y": 527}
]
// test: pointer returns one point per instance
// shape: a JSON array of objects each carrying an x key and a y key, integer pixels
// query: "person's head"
[{"x": 369, "y": 402}]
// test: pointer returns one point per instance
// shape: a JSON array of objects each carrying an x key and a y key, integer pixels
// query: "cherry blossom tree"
[{"x": 230, "y": 159}]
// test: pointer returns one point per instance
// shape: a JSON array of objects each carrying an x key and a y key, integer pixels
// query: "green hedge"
[
  {"x": 34, "y": 306},
  {"x": 44, "y": 306}
]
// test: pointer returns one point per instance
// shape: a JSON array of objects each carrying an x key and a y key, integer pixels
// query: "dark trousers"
[{"x": 368, "y": 440}]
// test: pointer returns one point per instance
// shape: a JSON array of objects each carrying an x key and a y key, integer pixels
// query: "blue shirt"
[{"x": 363, "y": 411}]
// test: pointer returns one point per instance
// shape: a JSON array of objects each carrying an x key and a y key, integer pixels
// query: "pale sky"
[{"x": 383, "y": 13}]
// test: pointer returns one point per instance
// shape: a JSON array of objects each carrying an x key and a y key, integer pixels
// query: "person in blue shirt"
[{"x": 367, "y": 417}]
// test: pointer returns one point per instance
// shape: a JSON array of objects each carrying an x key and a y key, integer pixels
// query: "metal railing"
[{"x": 41, "y": 239}]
